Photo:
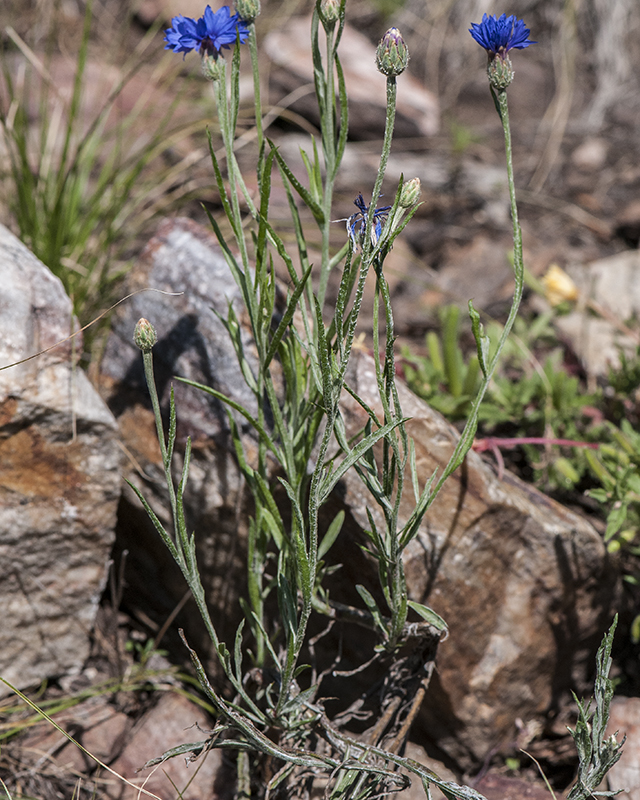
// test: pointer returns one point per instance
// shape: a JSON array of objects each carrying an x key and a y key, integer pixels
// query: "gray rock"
[
  {"x": 624, "y": 776},
  {"x": 192, "y": 343},
  {"x": 523, "y": 583},
  {"x": 288, "y": 47},
  {"x": 59, "y": 479},
  {"x": 611, "y": 287}
]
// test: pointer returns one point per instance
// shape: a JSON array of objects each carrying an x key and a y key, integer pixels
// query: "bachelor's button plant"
[{"x": 304, "y": 448}]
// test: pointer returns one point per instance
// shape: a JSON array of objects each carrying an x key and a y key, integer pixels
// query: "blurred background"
[{"x": 140, "y": 115}]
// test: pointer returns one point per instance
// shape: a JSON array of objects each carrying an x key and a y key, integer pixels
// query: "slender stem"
[
  {"x": 384, "y": 159},
  {"x": 394, "y": 458},
  {"x": 186, "y": 562},
  {"x": 253, "y": 49},
  {"x": 398, "y": 460},
  {"x": 466, "y": 439},
  {"x": 220, "y": 93},
  {"x": 147, "y": 361},
  {"x": 329, "y": 152}
]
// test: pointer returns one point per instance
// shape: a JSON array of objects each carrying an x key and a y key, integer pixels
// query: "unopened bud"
[
  {"x": 145, "y": 335},
  {"x": 410, "y": 193},
  {"x": 392, "y": 55},
  {"x": 247, "y": 10},
  {"x": 330, "y": 11}
]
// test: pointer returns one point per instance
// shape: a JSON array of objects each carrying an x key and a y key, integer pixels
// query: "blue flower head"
[
  {"x": 357, "y": 223},
  {"x": 500, "y": 34},
  {"x": 208, "y": 35}
]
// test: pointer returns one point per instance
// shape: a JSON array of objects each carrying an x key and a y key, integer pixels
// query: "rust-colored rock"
[{"x": 59, "y": 479}]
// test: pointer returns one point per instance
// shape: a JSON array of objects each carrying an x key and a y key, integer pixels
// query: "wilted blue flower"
[
  {"x": 357, "y": 223},
  {"x": 208, "y": 35},
  {"x": 498, "y": 35}
]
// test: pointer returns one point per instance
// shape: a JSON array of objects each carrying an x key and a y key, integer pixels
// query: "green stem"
[
  {"x": 328, "y": 118},
  {"x": 367, "y": 246},
  {"x": 396, "y": 447},
  {"x": 186, "y": 562},
  {"x": 468, "y": 434},
  {"x": 147, "y": 360},
  {"x": 394, "y": 459},
  {"x": 220, "y": 93},
  {"x": 253, "y": 49}
]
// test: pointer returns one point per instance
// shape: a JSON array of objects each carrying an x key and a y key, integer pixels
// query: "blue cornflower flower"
[
  {"x": 498, "y": 35},
  {"x": 208, "y": 35},
  {"x": 357, "y": 223}
]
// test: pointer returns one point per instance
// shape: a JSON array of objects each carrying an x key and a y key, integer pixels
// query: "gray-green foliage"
[
  {"x": 303, "y": 349},
  {"x": 597, "y": 753}
]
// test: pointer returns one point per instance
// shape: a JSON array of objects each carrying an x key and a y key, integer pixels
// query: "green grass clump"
[{"x": 80, "y": 191}]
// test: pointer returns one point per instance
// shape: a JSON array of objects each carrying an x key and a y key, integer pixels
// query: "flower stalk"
[{"x": 298, "y": 449}]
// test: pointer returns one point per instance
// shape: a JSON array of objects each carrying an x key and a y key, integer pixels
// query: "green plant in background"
[
  {"x": 80, "y": 191},
  {"x": 304, "y": 447},
  {"x": 617, "y": 467},
  {"x": 442, "y": 377},
  {"x": 462, "y": 137},
  {"x": 528, "y": 404}
]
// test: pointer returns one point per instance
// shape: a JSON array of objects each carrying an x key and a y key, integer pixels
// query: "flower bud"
[
  {"x": 410, "y": 193},
  {"x": 330, "y": 11},
  {"x": 247, "y": 10},
  {"x": 500, "y": 72},
  {"x": 145, "y": 335},
  {"x": 392, "y": 55}
]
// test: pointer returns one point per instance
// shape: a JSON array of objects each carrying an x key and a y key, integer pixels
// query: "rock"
[
  {"x": 495, "y": 786},
  {"x": 523, "y": 583},
  {"x": 59, "y": 479},
  {"x": 415, "y": 791},
  {"x": 95, "y": 724},
  {"x": 288, "y": 48},
  {"x": 173, "y": 721},
  {"x": 125, "y": 745},
  {"x": 628, "y": 223},
  {"x": 610, "y": 287},
  {"x": 479, "y": 270},
  {"x": 624, "y": 776}
]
